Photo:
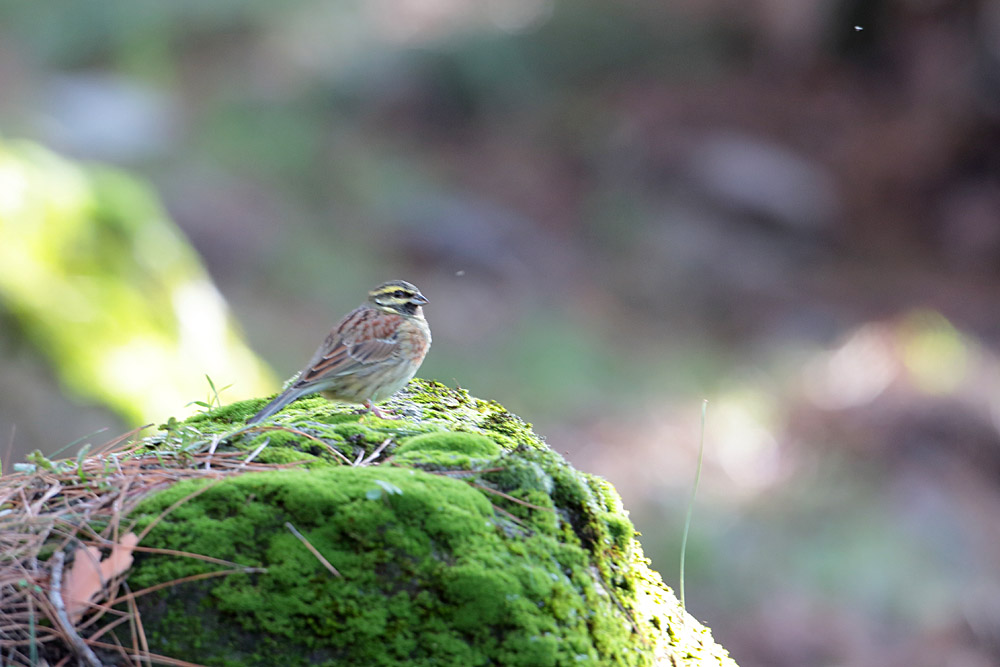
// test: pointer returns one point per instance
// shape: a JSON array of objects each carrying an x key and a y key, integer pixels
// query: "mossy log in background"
[
  {"x": 98, "y": 280},
  {"x": 464, "y": 541}
]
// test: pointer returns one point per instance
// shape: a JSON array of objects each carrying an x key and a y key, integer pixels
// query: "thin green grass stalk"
[
  {"x": 8, "y": 455},
  {"x": 76, "y": 442},
  {"x": 33, "y": 645},
  {"x": 694, "y": 492}
]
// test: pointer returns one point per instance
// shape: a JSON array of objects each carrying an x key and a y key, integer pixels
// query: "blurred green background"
[{"x": 790, "y": 208}]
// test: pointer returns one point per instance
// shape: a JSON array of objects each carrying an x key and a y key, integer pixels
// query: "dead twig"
[
  {"x": 255, "y": 452},
  {"x": 83, "y": 651},
  {"x": 375, "y": 454},
  {"x": 216, "y": 439}
]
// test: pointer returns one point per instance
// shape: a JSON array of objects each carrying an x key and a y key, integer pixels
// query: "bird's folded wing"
[{"x": 345, "y": 358}]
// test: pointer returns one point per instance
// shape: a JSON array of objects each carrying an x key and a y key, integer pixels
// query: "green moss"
[
  {"x": 620, "y": 529},
  {"x": 284, "y": 455},
  {"x": 427, "y": 558},
  {"x": 447, "y": 451},
  {"x": 463, "y": 443},
  {"x": 460, "y": 411},
  {"x": 473, "y": 546},
  {"x": 226, "y": 414}
]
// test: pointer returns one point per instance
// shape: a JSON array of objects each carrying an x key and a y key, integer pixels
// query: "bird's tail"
[{"x": 283, "y": 399}]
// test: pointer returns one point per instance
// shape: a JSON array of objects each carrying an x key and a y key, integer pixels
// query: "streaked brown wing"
[{"x": 364, "y": 337}]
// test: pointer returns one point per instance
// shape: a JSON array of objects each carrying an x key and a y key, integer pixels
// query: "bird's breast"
[{"x": 414, "y": 338}]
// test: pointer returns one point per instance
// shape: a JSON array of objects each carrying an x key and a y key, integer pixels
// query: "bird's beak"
[{"x": 418, "y": 299}]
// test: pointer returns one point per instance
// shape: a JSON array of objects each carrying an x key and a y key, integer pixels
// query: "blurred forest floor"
[{"x": 790, "y": 208}]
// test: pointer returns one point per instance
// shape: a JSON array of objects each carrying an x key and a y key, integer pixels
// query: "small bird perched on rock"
[{"x": 369, "y": 356}]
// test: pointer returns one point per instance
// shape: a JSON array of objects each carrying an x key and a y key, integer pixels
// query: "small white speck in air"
[{"x": 858, "y": 28}]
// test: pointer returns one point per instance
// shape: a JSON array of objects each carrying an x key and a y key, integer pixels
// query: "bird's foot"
[{"x": 372, "y": 409}]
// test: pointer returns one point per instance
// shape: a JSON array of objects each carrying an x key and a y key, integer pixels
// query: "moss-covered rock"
[{"x": 464, "y": 541}]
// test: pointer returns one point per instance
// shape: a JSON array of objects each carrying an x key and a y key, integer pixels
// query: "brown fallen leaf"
[{"x": 89, "y": 574}]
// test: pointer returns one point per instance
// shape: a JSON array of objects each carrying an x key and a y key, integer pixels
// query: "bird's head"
[{"x": 397, "y": 296}]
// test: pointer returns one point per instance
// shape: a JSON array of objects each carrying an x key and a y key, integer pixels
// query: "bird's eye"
[{"x": 399, "y": 294}]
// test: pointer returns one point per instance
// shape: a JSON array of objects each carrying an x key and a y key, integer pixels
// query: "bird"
[{"x": 369, "y": 355}]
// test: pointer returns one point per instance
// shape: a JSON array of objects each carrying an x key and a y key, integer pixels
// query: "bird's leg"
[{"x": 378, "y": 413}]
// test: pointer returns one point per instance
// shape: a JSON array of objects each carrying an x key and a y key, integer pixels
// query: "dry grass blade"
[
  {"x": 187, "y": 579},
  {"x": 509, "y": 515},
  {"x": 315, "y": 552},
  {"x": 188, "y": 554},
  {"x": 333, "y": 450},
  {"x": 114, "y": 442},
  {"x": 194, "y": 494},
  {"x": 511, "y": 498},
  {"x": 466, "y": 473},
  {"x": 36, "y": 507},
  {"x": 152, "y": 657},
  {"x": 123, "y": 654},
  {"x": 256, "y": 451},
  {"x": 125, "y": 617},
  {"x": 79, "y": 505},
  {"x": 375, "y": 454},
  {"x": 139, "y": 632}
]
